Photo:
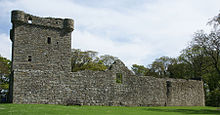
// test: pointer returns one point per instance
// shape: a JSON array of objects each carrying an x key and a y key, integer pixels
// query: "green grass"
[{"x": 39, "y": 109}]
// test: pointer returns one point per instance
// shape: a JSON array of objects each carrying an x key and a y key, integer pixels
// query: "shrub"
[{"x": 213, "y": 98}]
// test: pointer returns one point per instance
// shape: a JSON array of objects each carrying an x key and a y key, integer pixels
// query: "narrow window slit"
[
  {"x": 29, "y": 58},
  {"x": 49, "y": 40}
]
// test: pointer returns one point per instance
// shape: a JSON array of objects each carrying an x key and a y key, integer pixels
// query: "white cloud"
[
  {"x": 129, "y": 52},
  {"x": 136, "y": 32},
  {"x": 5, "y": 46}
]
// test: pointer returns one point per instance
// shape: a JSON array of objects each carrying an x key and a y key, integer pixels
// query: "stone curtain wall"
[
  {"x": 100, "y": 88},
  {"x": 41, "y": 52},
  {"x": 185, "y": 92},
  {"x": 38, "y": 87}
]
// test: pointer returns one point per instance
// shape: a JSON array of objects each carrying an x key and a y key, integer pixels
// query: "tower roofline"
[{"x": 20, "y": 17}]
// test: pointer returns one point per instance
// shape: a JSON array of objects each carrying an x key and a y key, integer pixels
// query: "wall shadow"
[{"x": 186, "y": 111}]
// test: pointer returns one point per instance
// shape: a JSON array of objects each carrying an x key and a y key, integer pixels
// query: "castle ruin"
[{"x": 41, "y": 72}]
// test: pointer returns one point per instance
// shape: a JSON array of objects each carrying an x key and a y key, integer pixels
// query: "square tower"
[
  {"x": 41, "y": 51},
  {"x": 40, "y": 43}
]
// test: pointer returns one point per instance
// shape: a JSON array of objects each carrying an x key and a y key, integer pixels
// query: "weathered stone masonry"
[{"x": 42, "y": 72}]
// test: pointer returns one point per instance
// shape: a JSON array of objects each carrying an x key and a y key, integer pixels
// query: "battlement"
[{"x": 20, "y": 17}]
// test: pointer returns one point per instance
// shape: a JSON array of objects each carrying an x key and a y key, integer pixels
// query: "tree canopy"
[
  {"x": 89, "y": 60},
  {"x": 5, "y": 66}
]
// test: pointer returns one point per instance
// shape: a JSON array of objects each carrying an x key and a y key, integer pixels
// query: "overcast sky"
[{"x": 136, "y": 31}]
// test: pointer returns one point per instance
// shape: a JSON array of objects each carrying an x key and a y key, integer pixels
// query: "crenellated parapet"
[{"x": 20, "y": 17}]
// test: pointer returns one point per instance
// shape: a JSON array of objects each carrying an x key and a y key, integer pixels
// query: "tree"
[
  {"x": 205, "y": 60},
  {"x": 108, "y": 60},
  {"x": 86, "y": 60},
  {"x": 210, "y": 43},
  {"x": 80, "y": 58},
  {"x": 178, "y": 70},
  {"x": 5, "y": 66},
  {"x": 159, "y": 68},
  {"x": 195, "y": 61},
  {"x": 140, "y": 70}
]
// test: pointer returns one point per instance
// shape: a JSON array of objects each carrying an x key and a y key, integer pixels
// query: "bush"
[{"x": 213, "y": 98}]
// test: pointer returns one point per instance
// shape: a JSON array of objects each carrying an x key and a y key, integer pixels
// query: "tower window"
[
  {"x": 29, "y": 58},
  {"x": 118, "y": 77},
  {"x": 48, "y": 40},
  {"x": 30, "y": 20}
]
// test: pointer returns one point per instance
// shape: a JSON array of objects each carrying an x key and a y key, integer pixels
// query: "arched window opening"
[
  {"x": 29, "y": 58},
  {"x": 30, "y": 20}
]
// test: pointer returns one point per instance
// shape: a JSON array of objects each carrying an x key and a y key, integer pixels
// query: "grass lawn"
[{"x": 39, "y": 109}]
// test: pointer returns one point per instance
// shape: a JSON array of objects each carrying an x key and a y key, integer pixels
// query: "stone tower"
[{"x": 39, "y": 44}]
